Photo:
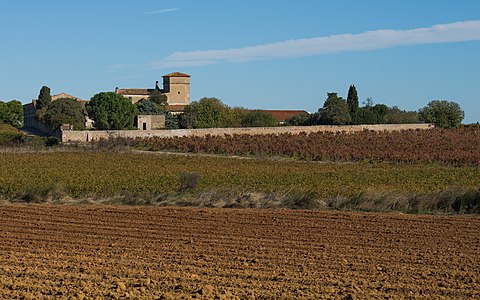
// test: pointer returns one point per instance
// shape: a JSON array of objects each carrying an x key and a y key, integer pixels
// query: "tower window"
[{"x": 179, "y": 92}]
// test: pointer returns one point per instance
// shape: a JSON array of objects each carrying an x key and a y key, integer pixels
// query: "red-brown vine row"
[{"x": 446, "y": 146}]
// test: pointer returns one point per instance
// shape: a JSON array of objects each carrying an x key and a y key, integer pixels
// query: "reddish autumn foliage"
[{"x": 446, "y": 146}]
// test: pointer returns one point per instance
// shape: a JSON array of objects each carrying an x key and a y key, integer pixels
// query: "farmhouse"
[
  {"x": 176, "y": 87},
  {"x": 30, "y": 116}
]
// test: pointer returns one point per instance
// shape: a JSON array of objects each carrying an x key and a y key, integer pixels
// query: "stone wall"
[
  {"x": 87, "y": 136},
  {"x": 30, "y": 121}
]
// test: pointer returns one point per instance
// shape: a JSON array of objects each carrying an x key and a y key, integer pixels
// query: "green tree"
[
  {"x": 352, "y": 102},
  {"x": 65, "y": 111},
  {"x": 368, "y": 102},
  {"x": 298, "y": 120},
  {"x": 159, "y": 99},
  {"x": 236, "y": 116},
  {"x": 375, "y": 114},
  {"x": 334, "y": 112},
  {"x": 313, "y": 119},
  {"x": 398, "y": 116},
  {"x": 366, "y": 115},
  {"x": 380, "y": 111},
  {"x": 442, "y": 113},
  {"x": 172, "y": 121},
  {"x": 205, "y": 113},
  {"x": 258, "y": 118},
  {"x": 189, "y": 117},
  {"x": 148, "y": 107},
  {"x": 11, "y": 113},
  {"x": 111, "y": 111},
  {"x": 44, "y": 97}
]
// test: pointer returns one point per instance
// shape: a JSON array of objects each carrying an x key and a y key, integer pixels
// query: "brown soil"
[{"x": 77, "y": 252}]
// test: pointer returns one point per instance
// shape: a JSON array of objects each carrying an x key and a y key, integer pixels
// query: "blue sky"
[{"x": 267, "y": 54}]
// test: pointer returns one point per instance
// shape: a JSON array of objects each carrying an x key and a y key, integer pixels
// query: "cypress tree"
[
  {"x": 44, "y": 98},
  {"x": 352, "y": 102}
]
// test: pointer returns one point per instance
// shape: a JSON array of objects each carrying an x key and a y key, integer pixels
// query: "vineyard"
[
  {"x": 44, "y": 176},
  {"x": 445, "y": 146},
  {"x": 143, "y": 250}
]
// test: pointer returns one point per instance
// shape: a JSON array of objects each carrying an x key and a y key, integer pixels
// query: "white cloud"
[
  {"x": 161, "y": 11},
  {"x": 370, "y": 40}
]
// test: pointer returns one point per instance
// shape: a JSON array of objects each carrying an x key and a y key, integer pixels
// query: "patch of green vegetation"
[
  {"x": 10, "y": 134},
  {"x": 163, "y": 179}
]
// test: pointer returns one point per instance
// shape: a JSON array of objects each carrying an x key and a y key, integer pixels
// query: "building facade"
[
  {"x": 176, "y": 87},
  {"x": 30, "y": 114},
  {"x": 150, "y": 122}
]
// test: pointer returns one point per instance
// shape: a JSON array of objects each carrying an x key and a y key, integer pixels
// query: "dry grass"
[{"x": 451, "y": 201}]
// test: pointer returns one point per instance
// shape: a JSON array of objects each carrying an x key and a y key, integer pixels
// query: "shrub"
[
  {"x": 188, "y": 181},
  {"x": 52, "y": 141},
  {"x": 9, "y": 134},
  {"x": 305, "y": 200}
]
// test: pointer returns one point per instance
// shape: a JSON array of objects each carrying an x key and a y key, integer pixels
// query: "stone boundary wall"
[
  {"x": 34, "y": 124},
  {"x": 68, "y": 136}
]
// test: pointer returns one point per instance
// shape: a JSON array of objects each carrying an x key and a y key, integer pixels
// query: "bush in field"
[
  {"x": 52, "y": 141},
  {"x": 188, "y": 181}
]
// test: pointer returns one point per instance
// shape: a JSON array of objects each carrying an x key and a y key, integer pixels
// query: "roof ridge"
[{"x": 176, "y": 74}]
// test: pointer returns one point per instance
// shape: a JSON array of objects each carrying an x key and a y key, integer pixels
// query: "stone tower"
[{"x": 176, "y": 86}]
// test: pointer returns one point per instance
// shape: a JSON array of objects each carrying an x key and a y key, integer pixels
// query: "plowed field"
[{"x": 52, "y": 251}]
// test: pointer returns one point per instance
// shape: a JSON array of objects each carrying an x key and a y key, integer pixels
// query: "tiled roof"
[
  {"x": 142, "y": 92},
  {"x": 176, "y": 74},
  {"x": 176, "y": 107},
  {"x": 65, "y": 95},
  {"x": 283, "y": 115}
]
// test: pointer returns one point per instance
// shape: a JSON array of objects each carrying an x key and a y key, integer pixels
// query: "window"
[{"x": 179, "y": 92}]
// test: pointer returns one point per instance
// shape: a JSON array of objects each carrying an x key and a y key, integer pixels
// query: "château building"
[{"x": 176, "y": 87}]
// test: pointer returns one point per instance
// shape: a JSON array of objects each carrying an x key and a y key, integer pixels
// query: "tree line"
[
  {"x": 112, "y": 111},
  {"x": 338, "y": 111}
]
